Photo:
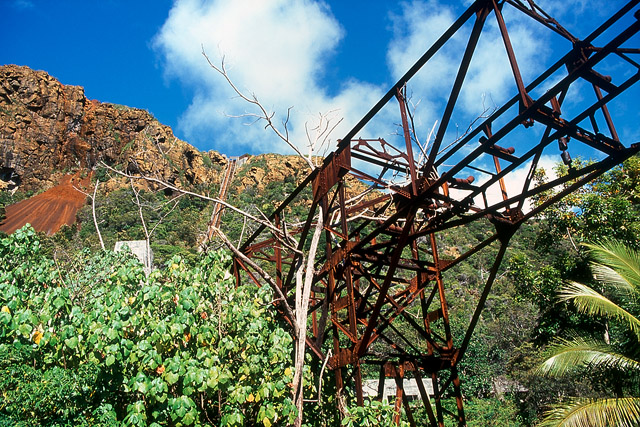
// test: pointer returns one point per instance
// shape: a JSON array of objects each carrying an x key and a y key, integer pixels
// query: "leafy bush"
[
  {"x": 183, "y": 346},
  {"x": 36, "y": 396},
  {"x": 372, "y": 413}
]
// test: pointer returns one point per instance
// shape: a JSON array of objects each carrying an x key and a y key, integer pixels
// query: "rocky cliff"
[
  {"x": 48, "y": 129},
  {"x": 52, "y": 138}
]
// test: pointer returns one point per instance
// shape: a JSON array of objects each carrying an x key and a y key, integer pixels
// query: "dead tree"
[
  {"x": 295, "y": 311},
  {"x": 304, "y": 264}
]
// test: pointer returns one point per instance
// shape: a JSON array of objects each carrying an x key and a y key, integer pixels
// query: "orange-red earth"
[{"x": 48, "y": 211}]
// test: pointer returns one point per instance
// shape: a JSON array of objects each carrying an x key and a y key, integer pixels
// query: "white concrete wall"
[{"x": 141, "y": 250}]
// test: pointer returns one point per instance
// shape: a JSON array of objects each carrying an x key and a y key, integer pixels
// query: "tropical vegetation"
[
  {"x": 93, "y": 341},
  {"x": 89, "y": 340},
  {"x": 617, "y": 268},
  {"x": 151, "y": 359}
]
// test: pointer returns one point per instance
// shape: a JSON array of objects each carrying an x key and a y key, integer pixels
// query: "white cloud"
[
  {"x": 514, "y": 183},
  {"x": 489, "y": 77},
  {"x": 278, "y": 49},
  {"x": 275, "y": 49}
]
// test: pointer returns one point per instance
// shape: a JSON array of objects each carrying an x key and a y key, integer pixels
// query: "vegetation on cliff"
[{"x": 48, "y": 129}]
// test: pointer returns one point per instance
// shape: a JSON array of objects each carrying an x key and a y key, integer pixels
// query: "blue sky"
[
  {"x": 330, "y": 59},
  {"x": 111, "y": 48}
]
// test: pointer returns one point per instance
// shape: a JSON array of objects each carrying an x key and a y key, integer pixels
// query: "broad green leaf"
[
  {"x": 72, "y": 342},
  {"x": 110, "y": 360}
]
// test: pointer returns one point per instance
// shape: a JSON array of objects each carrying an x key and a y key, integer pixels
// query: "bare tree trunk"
[
  {"x": 147, "y": 236},
  {"x": 267, "y": 278},
  {"x": 305, "y": 271},
  {"x": 303, "y": 294},
  {"x": 93, "y": 209}
]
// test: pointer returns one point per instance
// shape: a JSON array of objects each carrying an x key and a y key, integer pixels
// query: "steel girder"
[{"x": 381, "y": 262}]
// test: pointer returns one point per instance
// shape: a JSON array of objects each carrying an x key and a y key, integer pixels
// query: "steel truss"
[{"x": 381, "y": 263}]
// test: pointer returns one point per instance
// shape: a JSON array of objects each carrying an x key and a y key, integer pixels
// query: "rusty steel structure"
[{"x": 380, "y": 262}]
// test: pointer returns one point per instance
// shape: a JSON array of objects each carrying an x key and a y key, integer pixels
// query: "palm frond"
[
  {"x": 612, "y": 278},
  {"x": 618, "y": 266},
  {"x": 622, "y": 259},
  {"x": 593, "y": 303},
  {"x": 567, "y": 355},
  {"x": 581, "y": 412}
]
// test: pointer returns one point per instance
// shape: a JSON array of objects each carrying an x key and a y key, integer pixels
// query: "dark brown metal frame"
[{"x": 381, "y": 261}]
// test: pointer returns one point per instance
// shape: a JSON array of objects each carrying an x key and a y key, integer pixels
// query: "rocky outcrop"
[
  {"x": 51, "y": 134},
  {"x": 48, "y": 129},
  {"x": 265, "y": 168}
]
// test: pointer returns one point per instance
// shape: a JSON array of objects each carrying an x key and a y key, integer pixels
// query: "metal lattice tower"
[{"x": 380, "y": 262}]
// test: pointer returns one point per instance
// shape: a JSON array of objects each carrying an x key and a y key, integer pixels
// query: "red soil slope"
[{"x": 50, "y": 210}]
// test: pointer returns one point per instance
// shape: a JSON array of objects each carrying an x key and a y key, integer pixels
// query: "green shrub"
[
  {"x": 371, "y": 414},
  {"x": 181, "y": 347}
]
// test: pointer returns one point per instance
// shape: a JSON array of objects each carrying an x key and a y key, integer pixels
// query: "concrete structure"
[
  {"x": 141, "y": 249},
  {"x": 410, "y": 386},
  {"x": 370, "y": 388}
]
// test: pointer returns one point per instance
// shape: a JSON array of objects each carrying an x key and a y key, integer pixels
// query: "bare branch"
[
  {"x": 303, "y": 295},
  {"x": 485, "y": 114},
  {"x": 136, "y": 194},
  {"x": 244, "y": 225},
  {"x": 166, "y": 214},
  {"x": 265, "y": 115},
  {"x": 267, "y": 224},
  {"x": 323, "y": 130},
  {"x": 93, "y": 210},
  {"x": 324, "y": 365}
]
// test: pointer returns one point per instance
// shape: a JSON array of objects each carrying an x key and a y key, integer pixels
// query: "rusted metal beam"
[{"x": 380, "y": 294}]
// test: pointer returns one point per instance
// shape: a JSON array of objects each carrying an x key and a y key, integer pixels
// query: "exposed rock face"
[
  {"x": 49, "y": 131},
  {"x": 266, "y": 168},
  {"x": 47, "y": 128}
]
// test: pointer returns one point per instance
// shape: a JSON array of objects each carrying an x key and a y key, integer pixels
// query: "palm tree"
[{"x": 617, "y": 267}]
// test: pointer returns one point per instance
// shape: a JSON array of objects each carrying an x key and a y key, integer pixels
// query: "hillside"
[
  {"x": 49, "y": 130},
  {"x": 54, "y": 143}
]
